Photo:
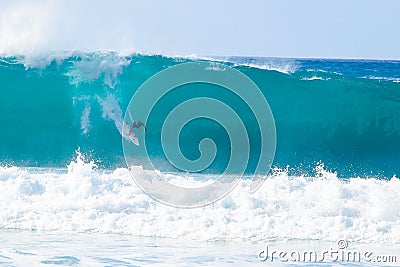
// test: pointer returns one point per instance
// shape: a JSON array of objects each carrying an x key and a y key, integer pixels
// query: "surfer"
[{"x": 138, "y": 125}]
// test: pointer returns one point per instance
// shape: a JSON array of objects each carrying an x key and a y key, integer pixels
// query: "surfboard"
[
  {"x": 130, "y": 137},
  {"x": 134, "y": 139}
]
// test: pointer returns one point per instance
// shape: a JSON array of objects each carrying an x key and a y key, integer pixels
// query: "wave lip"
[{"x": 368, "y": 69}]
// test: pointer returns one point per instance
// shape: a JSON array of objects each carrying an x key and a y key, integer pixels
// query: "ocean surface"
[{"x": 63, "y": 175}]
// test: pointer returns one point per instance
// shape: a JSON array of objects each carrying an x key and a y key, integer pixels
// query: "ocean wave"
[
  {"x": 97, "y": 60},
  {"x": 83, "y": 198},
  {"x": 79, "y": 102},
  {"x": 89, "y": 65}
]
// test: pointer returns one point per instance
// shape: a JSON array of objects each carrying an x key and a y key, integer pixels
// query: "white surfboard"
[
  {"x": 130, "y": 137},
  {"x": 134, "y": 139}
]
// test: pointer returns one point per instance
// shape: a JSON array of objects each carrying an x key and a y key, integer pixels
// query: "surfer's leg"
[{"x": 131, "y": 129}]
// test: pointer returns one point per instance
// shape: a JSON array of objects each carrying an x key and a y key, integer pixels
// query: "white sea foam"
[
  {"x": 284, "y": 68},
  {"x": 313, "y": 78},
  {"x": 392, "y": 79},
  {"x": 84, "y": 199},
  {"x": 282, "y": 65},
  {"x": 111, "y": 110},
  {"x": 43, "y": 59},
  {"x": 109, "y": 64},
  {"x": 85, "y": 120},
  {"x": 106, "y": 65}
]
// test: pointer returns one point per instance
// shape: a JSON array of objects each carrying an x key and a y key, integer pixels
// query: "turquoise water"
[
  {"x": 342, "y": 113},
  {"x": 334, "y": 119}
]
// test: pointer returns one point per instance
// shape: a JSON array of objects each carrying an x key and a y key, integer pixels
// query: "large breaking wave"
[{"x": 342, "y": 113}]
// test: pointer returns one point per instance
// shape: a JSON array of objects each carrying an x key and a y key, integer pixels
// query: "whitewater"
[{"x": 85, "y": 199}]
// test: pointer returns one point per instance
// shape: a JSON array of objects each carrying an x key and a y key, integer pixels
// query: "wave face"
[{"x": 342, "y": 113}]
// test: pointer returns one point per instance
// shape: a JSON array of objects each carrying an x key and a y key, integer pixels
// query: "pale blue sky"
[{"x": 281, "y": 28}]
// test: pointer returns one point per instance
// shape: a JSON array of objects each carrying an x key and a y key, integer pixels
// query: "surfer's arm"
[{"x": 142, "y": 124}]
